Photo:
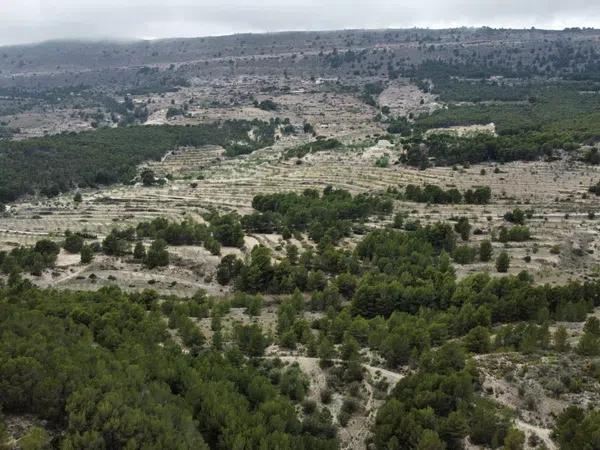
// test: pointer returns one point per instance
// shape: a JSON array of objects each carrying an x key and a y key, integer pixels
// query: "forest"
[
  {"x": 431, "y": 193},
  {"x": 532, "y": 118},
  {"x": 110, "y": 155},
  {"x": 327, "y": 216},
  {"x": 101, "y": 367}
]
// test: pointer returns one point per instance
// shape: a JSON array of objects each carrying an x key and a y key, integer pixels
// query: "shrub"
[
  {"x": 326, "y": 396},
  {"x": 515, "y": 216}
]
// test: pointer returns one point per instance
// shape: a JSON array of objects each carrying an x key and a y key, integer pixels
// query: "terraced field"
[{"x": 203, "y": 179}]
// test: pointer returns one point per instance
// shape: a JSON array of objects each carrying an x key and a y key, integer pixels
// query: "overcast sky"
[{"x": 24, "y": 21}]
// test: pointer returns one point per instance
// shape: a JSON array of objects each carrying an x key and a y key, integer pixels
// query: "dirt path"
[
  {"x": 510, "y": 399},
  {"x": 68, "y": 276},
  {"x": 24, "y": 233},
  {"x": 542, "y": 433},
  {"x": 390, "y": 375},
  {"x": 353, "y": 435}
]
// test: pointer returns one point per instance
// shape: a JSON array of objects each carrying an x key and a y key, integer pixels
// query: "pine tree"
[
  {"x": 139, "y": 252},
  {"x": 158, "y": 255},
  {"x": 485, "y": 251},
  {"x": 503, "y": 262},
  {"x": 561, "y": 343},
  {"x": 87, "y": 254}
]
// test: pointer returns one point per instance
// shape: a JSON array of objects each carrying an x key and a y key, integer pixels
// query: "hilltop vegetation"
[{"x": 541, "y": 117}]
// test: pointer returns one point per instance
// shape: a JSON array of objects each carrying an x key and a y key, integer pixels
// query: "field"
[{"x": 554, "y": 191}]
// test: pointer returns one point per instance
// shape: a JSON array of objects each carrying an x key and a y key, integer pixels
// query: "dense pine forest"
[{"x": 55, "y": 164}]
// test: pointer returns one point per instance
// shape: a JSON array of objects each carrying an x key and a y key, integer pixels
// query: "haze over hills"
[{"x": 70, "y": 62}]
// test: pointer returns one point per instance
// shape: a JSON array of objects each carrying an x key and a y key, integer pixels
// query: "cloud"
[{"x": 24, "y": 21}]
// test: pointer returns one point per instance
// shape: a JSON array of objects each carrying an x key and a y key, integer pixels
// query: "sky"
[{"x": 27, "y": 21}]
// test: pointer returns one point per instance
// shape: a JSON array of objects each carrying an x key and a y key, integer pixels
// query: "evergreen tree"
[
  {"x": 514, "y": 440},
  {"x": 485, "y": 251},
  {"x": 139, "y": 251},
  {"x": 87, "y": 254},
  {"x": 158, "y": 255},
  {"x": 463, "y": 228},
  {"x": 561, "y": 342},
  {"x": 73, "y": 242},
  {"x": 502, "y": 262}
]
